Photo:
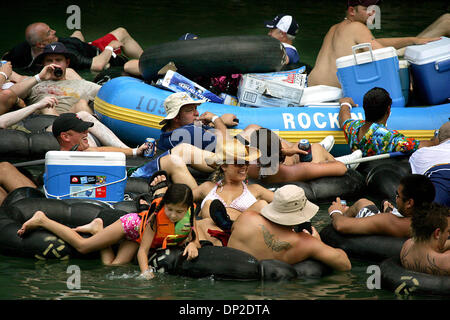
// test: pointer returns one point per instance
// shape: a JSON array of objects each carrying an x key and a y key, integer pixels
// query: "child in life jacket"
[{"x": 170, "y": 221}]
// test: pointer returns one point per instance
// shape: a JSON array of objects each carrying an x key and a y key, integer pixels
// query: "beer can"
[
  {"x": 306, "y": 146},
  {"x": 343, "y": 202},
  {"x": 150, "y": 151}
]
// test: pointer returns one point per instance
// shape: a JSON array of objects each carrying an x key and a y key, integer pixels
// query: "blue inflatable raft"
[{"x": 132, "y": 109}]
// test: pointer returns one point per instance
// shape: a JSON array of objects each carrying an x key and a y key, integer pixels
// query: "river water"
[{"x": 156, "y": 22}]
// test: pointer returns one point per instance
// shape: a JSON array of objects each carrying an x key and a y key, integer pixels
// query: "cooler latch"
[{"x": 443, "y": 64}]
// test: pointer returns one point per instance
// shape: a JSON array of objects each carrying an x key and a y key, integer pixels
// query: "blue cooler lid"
[{"x": 429, "y": 52}]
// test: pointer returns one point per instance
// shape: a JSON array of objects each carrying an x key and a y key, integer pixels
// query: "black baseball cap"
[
  {"x": 69, "y": 121},
  {"x": 56, "y": 48}
]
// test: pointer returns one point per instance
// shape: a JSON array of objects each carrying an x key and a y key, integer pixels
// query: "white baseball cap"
[{"x": 285, "y": 23}]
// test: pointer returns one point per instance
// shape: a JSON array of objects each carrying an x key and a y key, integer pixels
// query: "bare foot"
[
  {"x": 387, "y": 206},
  {"x": 93, "y": 227},
  {"x": 157, "y": 180},
  {"x": 34, "y": 222}
]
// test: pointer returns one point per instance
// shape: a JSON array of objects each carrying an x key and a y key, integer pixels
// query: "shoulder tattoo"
[{"x": 272, "y": 243}]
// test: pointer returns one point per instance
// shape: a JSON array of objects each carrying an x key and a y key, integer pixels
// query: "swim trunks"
[
  {"x": 130, "y": 224},
  {"x": 372, "y": 210},
  {"x": 102, "y": 42}
]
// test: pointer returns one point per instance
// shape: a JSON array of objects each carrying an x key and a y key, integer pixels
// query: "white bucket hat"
[
  {"x": 174, "y": 102},
  {"x": 289, "y": 206}
]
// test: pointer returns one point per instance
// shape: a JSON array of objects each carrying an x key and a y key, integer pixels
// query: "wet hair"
[
  {"x": 427, "y": 219},
  {"x": 269, "y": 143},
  {"x": 419, "y": 188},
  {"x": 376, "y": 102}
]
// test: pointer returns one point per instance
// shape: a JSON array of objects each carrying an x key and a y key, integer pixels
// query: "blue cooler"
[
  {"x": 430, "y": 69},
  {"x": 85, "y": 175},
  {"x": 360, "y": 72},
  {"x": 404, "y": 78}
]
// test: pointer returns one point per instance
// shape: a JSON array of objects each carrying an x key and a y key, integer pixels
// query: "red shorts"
[{"x": 102, "y": 42}]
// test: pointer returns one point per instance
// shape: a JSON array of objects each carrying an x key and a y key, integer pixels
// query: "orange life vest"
[{"x": 167, "y": 232}]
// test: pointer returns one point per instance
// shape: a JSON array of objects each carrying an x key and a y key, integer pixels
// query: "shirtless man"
[
  {"x": 351, "y": 31},
  {"x": 364, "y": 217},
  {"x": 429, "y": 249},
  {"x": 270, "y": 234}
]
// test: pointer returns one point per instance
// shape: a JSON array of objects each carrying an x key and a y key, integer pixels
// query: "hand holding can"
[{"x": 150, "y": 151}]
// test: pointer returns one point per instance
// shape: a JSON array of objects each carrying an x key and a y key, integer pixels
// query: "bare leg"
[
  {"x": 305, "y": 171},
  {"x": 177, "y": 170},
  {"x": 130, "y": 47},
  {"x": 101, "y": 240},
  {"x": 440, "y": 27},
  {"x": 353, "y": 210},
  {"x": 202, "y": 230},
  {"x": 319, "y": 154},
  {"x": 3, "y": 195},
  {"x": 193, "y": 156},
  {"x": 11, "y": 178},
  {"x": 79, "y": 35},
  {"x": 8, "y": 99},
  {"x": 132, "y": 67}
]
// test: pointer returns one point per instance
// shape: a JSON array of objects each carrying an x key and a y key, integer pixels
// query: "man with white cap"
[
  {"x": 284, "y": 28},
  {"x": 270, "y": 235},
  {"x": 352, "y": 30}
]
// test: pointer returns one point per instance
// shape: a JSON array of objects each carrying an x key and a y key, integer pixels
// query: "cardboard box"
[
  {"x": 271, "y": 90},
  {"x": 179, "y": 83}
]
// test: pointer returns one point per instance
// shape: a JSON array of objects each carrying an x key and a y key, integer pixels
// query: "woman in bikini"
[{"x": 228, "y": 193}]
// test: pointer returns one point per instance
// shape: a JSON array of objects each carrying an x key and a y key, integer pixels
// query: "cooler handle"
[
  {"x": 442, "y": 65},
  {"x": 360, "y": 46}
]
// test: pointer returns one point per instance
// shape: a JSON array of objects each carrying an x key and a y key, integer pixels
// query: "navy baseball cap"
[
  {"x": 285, "y": 23},
  {"x": 56, "y": 48},
  {"x": 188, "y": 36}
]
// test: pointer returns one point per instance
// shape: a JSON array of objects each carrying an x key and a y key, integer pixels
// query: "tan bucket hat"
[
  {"x": 175, "y": 101},
  {"x": 235, "y": 152},
  {"x": 289, "y": 206}
]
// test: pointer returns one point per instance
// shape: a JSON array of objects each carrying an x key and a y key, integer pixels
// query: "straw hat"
[
  {"x": 289, "y": 206},
  {"x": 175, "y": 102},
  {"x": 232, "y": 151}
]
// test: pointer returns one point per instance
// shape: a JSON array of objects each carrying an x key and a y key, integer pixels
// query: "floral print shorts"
[{"x": 130, "y": 224}]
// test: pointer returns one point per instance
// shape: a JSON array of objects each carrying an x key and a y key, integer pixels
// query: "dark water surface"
[{"x": 156, "y": 22}]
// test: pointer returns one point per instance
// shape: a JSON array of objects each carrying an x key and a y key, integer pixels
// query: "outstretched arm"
[
  {"x": 334, "y": 257},
  {"x": 399, "y": 43},
  {"x": 128, "y": 151},
  {"x": 142, "y": 254},
  {"x": 13, "y": 117}
]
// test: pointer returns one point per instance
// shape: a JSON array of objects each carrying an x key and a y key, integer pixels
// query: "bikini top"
[{"x": 241, "y": 203}]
